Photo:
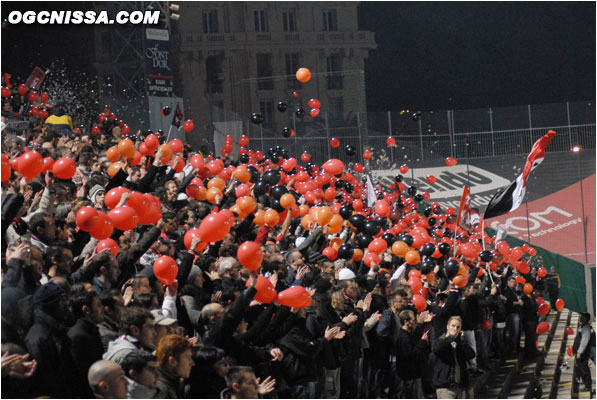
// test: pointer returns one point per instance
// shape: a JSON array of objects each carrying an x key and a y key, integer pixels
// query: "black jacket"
[
  {"x": 443, "y": 314},
  {"x": 47, "y": 342},
  {"x": 411, "y": 354},
  {"x": 445, "y": 356},
  {"x": 86, "y": 348}
]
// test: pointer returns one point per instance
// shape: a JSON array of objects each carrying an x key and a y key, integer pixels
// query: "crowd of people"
[{"x": 80, "y": 320}]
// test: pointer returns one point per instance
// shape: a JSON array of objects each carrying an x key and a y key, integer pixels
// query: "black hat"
[
  {"x": 48, "y": 294},
  {"x": 322, "y": 285}
]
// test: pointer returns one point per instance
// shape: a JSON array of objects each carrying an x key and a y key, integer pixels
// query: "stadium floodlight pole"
[{"x": 577, "y": 150}]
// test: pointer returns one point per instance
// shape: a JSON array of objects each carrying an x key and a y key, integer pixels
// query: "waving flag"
[
  {"x": 177, "y": 119},
  {"x": 509, "y": 198}
]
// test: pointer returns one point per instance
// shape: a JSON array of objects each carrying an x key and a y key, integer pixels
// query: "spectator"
[
  {"x": 175, "y": 359},
  {"x": 584, "y": 345},
  {"x": 241, "y": 383},
  {"x": 107, "y": 380},
  {"x": 141, "y": 370},
  {"x": 137, "y": 333}
]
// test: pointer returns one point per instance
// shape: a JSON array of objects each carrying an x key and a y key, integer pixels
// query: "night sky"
[{"x": 429, "y": 56}]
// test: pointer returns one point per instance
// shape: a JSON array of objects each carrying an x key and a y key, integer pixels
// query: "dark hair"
[
  {"x": 236, "y": 374},
  {"x": 81, "y": 299},
  {"x": 107, "y": 297},
  {"x": 144, "y": 300},
  {"x": 136, "y": 361},
  {"x": 100, "y": 260},
  {"x": 38, "y": 220},
  {"x": 206, "y": 357},
  {"x": 133, "y": 316}
]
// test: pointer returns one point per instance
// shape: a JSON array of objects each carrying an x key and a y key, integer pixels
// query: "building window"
[
  {"x": 266, "y": 108},
  {"x": 330, "y": 21},
  {"x": 292, "y": 65},
  {"x": 260, "y": 20},
  {"x": 213, "y": 67},
  {"x": 289, "y": 19},
  {"x": 334, "y": 76},
  {"x": 210, "y": 21},
  {"x": 264, "y": 72}
]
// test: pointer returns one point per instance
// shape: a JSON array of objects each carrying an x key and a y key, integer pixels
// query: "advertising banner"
[{"x": 158, "y": 69}]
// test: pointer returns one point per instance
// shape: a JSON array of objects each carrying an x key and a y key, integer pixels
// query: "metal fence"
[{"x": 427, "y": 136}]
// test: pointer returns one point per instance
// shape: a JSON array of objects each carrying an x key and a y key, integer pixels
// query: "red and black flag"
[
  {"x": 177, "y": 119},
  {"x": 509, "y": 198}
]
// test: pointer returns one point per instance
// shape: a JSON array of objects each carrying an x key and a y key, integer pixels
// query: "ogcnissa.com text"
[{"x": 149, "y": 17}]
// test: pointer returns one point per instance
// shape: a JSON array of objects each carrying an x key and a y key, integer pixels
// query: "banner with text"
[{"x": 158, "y": 68}]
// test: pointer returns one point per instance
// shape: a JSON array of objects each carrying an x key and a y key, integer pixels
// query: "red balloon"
[
  {"x": 542, "y": 328},
  {"x": 403, "y": 169},
  {"x": 214, "y": 167},
  {"x": 358, "y": 167},
  {"x": 215, "y": 227},
  {"x": 541, "y": 272},
  {"x": 188, "y": 239},
  {"x": 188, "y": 126},
  {"x": 314, "y": 103},
  {"x": 570, "y": 331},
  {"x": 5, "y": 92},
  {"x": 371, "y": 258},
  {"x": 296, "y": 296},
  {"x": 486, "y": 325},
  {"x": 367, "y": 155},
  {"x": 391, "y": 141},
  {"x": 330, "y": 253},
  {"x": 314, "y": 113},
  {"x": 32, "y": 97},
  {"x": 419, "y": 302},
  {"x": 570, "y": 351},
  {"x": 504, "y": 248},
  {"x": 559, "y": 304},
  {"x": 382, "y": 208},
  {"x": 415, "y": 284},
  {"x": 177, "y": 145},
  {"x": 305, "y": 157},
  {"x": 152, "y": 142},
  {"x": 532, "y": 252},
  {"x": 431, "y": 179},
  {"x": 86, "y": 218},
  {"x": 31, "y": 164},
  {"x": 543, "y": 309},
  {"x": 165, "y": 269},
  {"x": 250, "y": 255},
  {"x": 334, "y": 143},
  {"x": 378, "y": 246},
  {"x": 197, "y": 161},
  {"x": 243, "y": 140},
  {"x": 333, "y": 166},
  {"x": 43, "y": 114},
  {"x": 103, "y": 228},
  {"x": 523, "y": 267},
  {"x": 44, "y": 97},
  {"x": 6, "y": 169},
  {"x": 113, "y": 196},
  {"x": 124, "y": 218},
  {"x": 451, "y": 161},
  {"x": 266, "y": 293},
  {"x": 107, "y": 244},
  {"x": 64, "y": 168},
  {"x": 243, "y": 190}
]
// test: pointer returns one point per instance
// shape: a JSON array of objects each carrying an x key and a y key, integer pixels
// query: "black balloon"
[
  {"x": 381, "y": 222},
  {"x": 256, "y": 118},
  {"x": 278, "y": 191},
  {"x": 428, "y": 249},
  {"x": 412, "y": 190},
  {"x": 282, "y": 107},
  {"x": 427, "y": 266},
  {"x": 349, "y": 187},
  {"x": 437, "y": 210},
  {"x": 260, "y": 188},
  {"x": 340, "y": 184},
  {"x": 277, "y": 206},
  {"x": 371, "y": 228},
  {"x": 364, "y": 240},
  {"x": 419, "y": 197},
  {"x": 486, "y": 256},
  {"x": 300, "y": 113},
  {"x": 427, "y": 212},
  {"x": 358, "y": 221},
  {"x": 389, "y": 238},
  {"x": 345, "y": 212},
  {"x": 408, "y": 239},
  {"x": 254, "y": 173},
  {"x": 452, "y": 267},
  {"x": 286, "y": 132},
  {"x": 398, "y": 178},
  {"x": 166, "y": 111},
  {"x": 350, "y": 150},
  {"x": 272, "y": 177},
  {"x": 444, "y": 248},
  {"x": 275, "y": 158},
  {"x": 244, "y": 158},
  {"x": 432, "y": 221},
  {"x": 345, "y": 251}
]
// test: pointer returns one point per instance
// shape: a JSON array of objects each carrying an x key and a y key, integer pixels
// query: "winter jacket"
[
  {"x": 138, "y": 391},
  {"x": 171, "y": 386},
  {"x": 411, "y": 354},
  {"x": 449, "y": 352},
  {"x": 123, "y": 345},
  {"x": 86, "y": 348},
  {"x": 108, "y": 331}
]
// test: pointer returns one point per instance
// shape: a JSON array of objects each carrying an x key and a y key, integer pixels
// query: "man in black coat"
[
  {"x": 86, "y": 344},
  {"x": 49, "y": 345},
  {"x": 411, "y": 351},
  {"x": 530, "y": 319}
]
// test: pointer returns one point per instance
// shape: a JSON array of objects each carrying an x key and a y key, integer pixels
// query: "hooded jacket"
[{"x": 118, "y": 349}]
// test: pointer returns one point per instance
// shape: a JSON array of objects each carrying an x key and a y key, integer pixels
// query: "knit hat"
[
  {"x": 95, "y": 191},
  {"x": 346, "y": 274},
  {"x": 48, "y": 294}
]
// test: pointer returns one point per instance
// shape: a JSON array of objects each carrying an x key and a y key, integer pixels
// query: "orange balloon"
[
  {"x": 166, "y": 152},
  {"x": 126, "y": 147},
  {"x": 460, "y": 281},
  {"x": 271, "y": 218},
  {"x": 242, "y": 174},
  {"x": 430, "y": 276},
  {"x": 259, "y": 218},
  {"x": 212, "y": 195},
  {"x": 113, "y": 154},
  {"x": 247, "y": 204},
  {"x": 287, "y": 201},
  {"x": 357, "y": 255},
  {"x": 305, "y": 221},
  {"x": 303, "y": 75},
  {"x": 114, "y": 168},
  {"x": 412, "y": 257},
  {"x": 217, "y": 183},
  {"x": 201, "y": 193},
  {"x": 324, "y": 215},
  {"x": 527, "y": 288},
  {"x": 400, "y": 249},
  {"x": 303, "y": 210},
  {"x": 335, "y": 224}
]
